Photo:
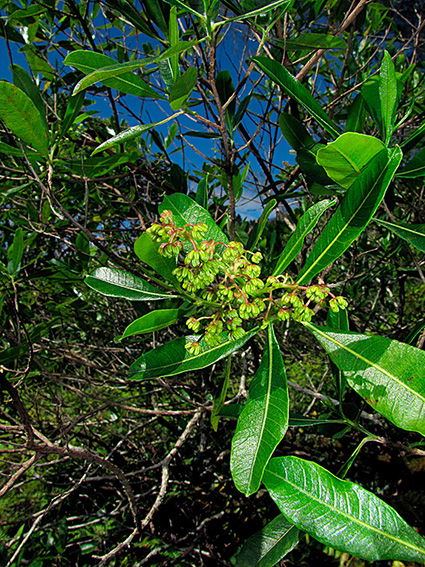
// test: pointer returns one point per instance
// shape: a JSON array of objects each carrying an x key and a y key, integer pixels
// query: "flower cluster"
[{"x": 225, "y": 279}]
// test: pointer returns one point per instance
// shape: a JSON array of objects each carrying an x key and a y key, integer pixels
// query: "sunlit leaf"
[
  {"x": 153, "y": 321},
  {"x": 263, "y": 421},
  {"x": 339, "y": 513},
  {"x": 412, "y": 233}
]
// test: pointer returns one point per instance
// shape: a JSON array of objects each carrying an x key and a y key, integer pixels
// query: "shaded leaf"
[
  {"x": 153, "y": 321},
  {"x": 263, "y": 421},
  {"x": 219, "y": 399},
  {"x": 340, "y": 513},
  {"x": 305, "y": 225},
  {"x": 346, "y": 157},
  {"x": 282, "y": 77},
  {"x": 295, "y": 132},
  {"x": 22, "y": 117},
  {"x": 16, "y": 252},
  {"x": 387, "y": 95},
  {"x": 415, "y": 167},
  {"x": 147, "y": 250},
  {"x": 412, "y": 233},
  {"x": 388, "y": 374},
  {"x": 312, "y": 41},
  {"x": 23, "y": 80},
  {"x": 173, "y": 358},
  {"x": 268, "y": 546},
  {"x": 183, "y": 88},
  {"x": 255, "y": 235},
  {"x": 354, "y": 213},
  {"x": 356, "y": 115},
  {"x": 117, "y": 283}
]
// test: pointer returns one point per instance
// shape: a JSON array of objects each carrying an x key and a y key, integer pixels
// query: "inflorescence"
[{"x": 228, "y": 279}]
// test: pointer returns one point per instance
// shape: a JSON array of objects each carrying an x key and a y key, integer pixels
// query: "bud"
[
  {"x": 256, "y": 258},
  {"x": 193, "y": 348}
]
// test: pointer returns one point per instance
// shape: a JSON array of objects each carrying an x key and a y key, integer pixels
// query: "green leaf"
[
  {"x": 22, "y": 117},
  {"x": 412, "y": 233},
  {"x": 268, "y": 546},
  {"x": 296, "y": 90},
  {"x": 185, "y": 210},
  {"x": 305, "y": 225},
  {"x": 306, "y": 159},
  {"x": 295, "y": 132},
  {"x": 147, "y": 251},
  {"x": 311, "y": 41},
  {"x": 415, "y": 167},
  {"x": 255, "y": 235},
  {"x": 388, "y": 374},
  {"x": 202, "y": 192},
  {"x": 131, "y": 133},
  {"x": 183, "y": 88},
  {"x": 16, "y": 252},
  {"x": 23, "y": 80},
  {"x": 354, "y": 213},
  {"x": 219, "y": 399},
  {"x": 265, "y": 8},
  {"x": 89, "y": 61},
  {"x": 356, "y": 115},
  {"x": 153, "y": 321},
  {"x": 185, "y": 6},
  {"x": 72, "y": 109},
  {"x": 9, "y": 355},
  {"x": 117, "y": 283},
  {"x": 263, "y": 421},
  {"x": 340, "y": 513},
  {"x": 126, "y": 9},
  {"x": 119, "y": 69},
  {"x": 346, "y": 157},
  {"x": 173, "y": 358},
  {"x": 388, "y": 95}
]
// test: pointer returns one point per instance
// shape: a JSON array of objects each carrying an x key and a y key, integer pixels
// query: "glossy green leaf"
[
  {"x": 130, "y": 134},
  {"x": 413, "y": 138},
  {"x": 412, "y": 233},
  {"x": 415, "y": 167},
  {"x": 90, "y": 61},
  {"x": 268, "y": 546},
  {"x": 309, "y": 41},
  {"x": 339, "y": 513},
  {"x": 22, "y": 117},
  {"x": 202, "y": 192},
  {"x": 356, "y": 115},
  {"x": 117, "y": 283},
  {"x": 305, "y": 225},
  {"x": 387, "y": 95},
  {"x": 119, "y": 69},
  {"x": 354, "y": 213},
  {"x": 147, "y": 251},
  {"x": 371, "y": 98},
  {"x": 306, "y": 159},
  {"x": 16, "y": 252},
  {"x": 255, "y": 235},
  {"x": 263, "y": 421},
  {"x": 158, "y": 11},
  {"x": 282, "y": 77},
  {"x": 153, "y": 321},
  {"x": 173, "y": 358},
  {"x": 23, "y": 80},
  {"x": 388, "y": 374},
  {"x": 186, "y": 210},
  {"x": 73, "y": 108},
  {"x": 344, "y": 159},
  {"x": 295, "y": 132},
  {"x": 183, "y": 88}
]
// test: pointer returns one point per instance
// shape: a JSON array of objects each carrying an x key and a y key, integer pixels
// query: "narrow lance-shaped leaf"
[
  {"x": 131, "y": 133},
  {"x": 183, "y": 88},
  {"x": 340, "y": 513},
  {"x": 22, "y": 117},
  {"x": 412, "y": 233},
  {"x": 305, "y": 225},
  {"x": 283, "y": 5},
  {"x": 119, "y": 69},
  {"x": 344, "y": 159},
  {"x": 263, "y": 421},
  {"x": 354, "y": 213},
  {"x": 255, "y": 235},
  {"x": 312, "y": 41},
  {"x": 387, "y": 95},
  {"x": 24, "y": 81},
  {"x": 129, "y": 83},
  {"x": 282, "y": 77},
  {"x": 117, "y": 283},
  {"x": 268, "y": 546},
  {"x": 173, "y": 358},
  {"x": 153, "y": 321},
  {"x": 388, "y": 374}
]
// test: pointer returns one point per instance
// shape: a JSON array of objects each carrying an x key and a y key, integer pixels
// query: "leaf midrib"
[{"x": 351, "y": 518}]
